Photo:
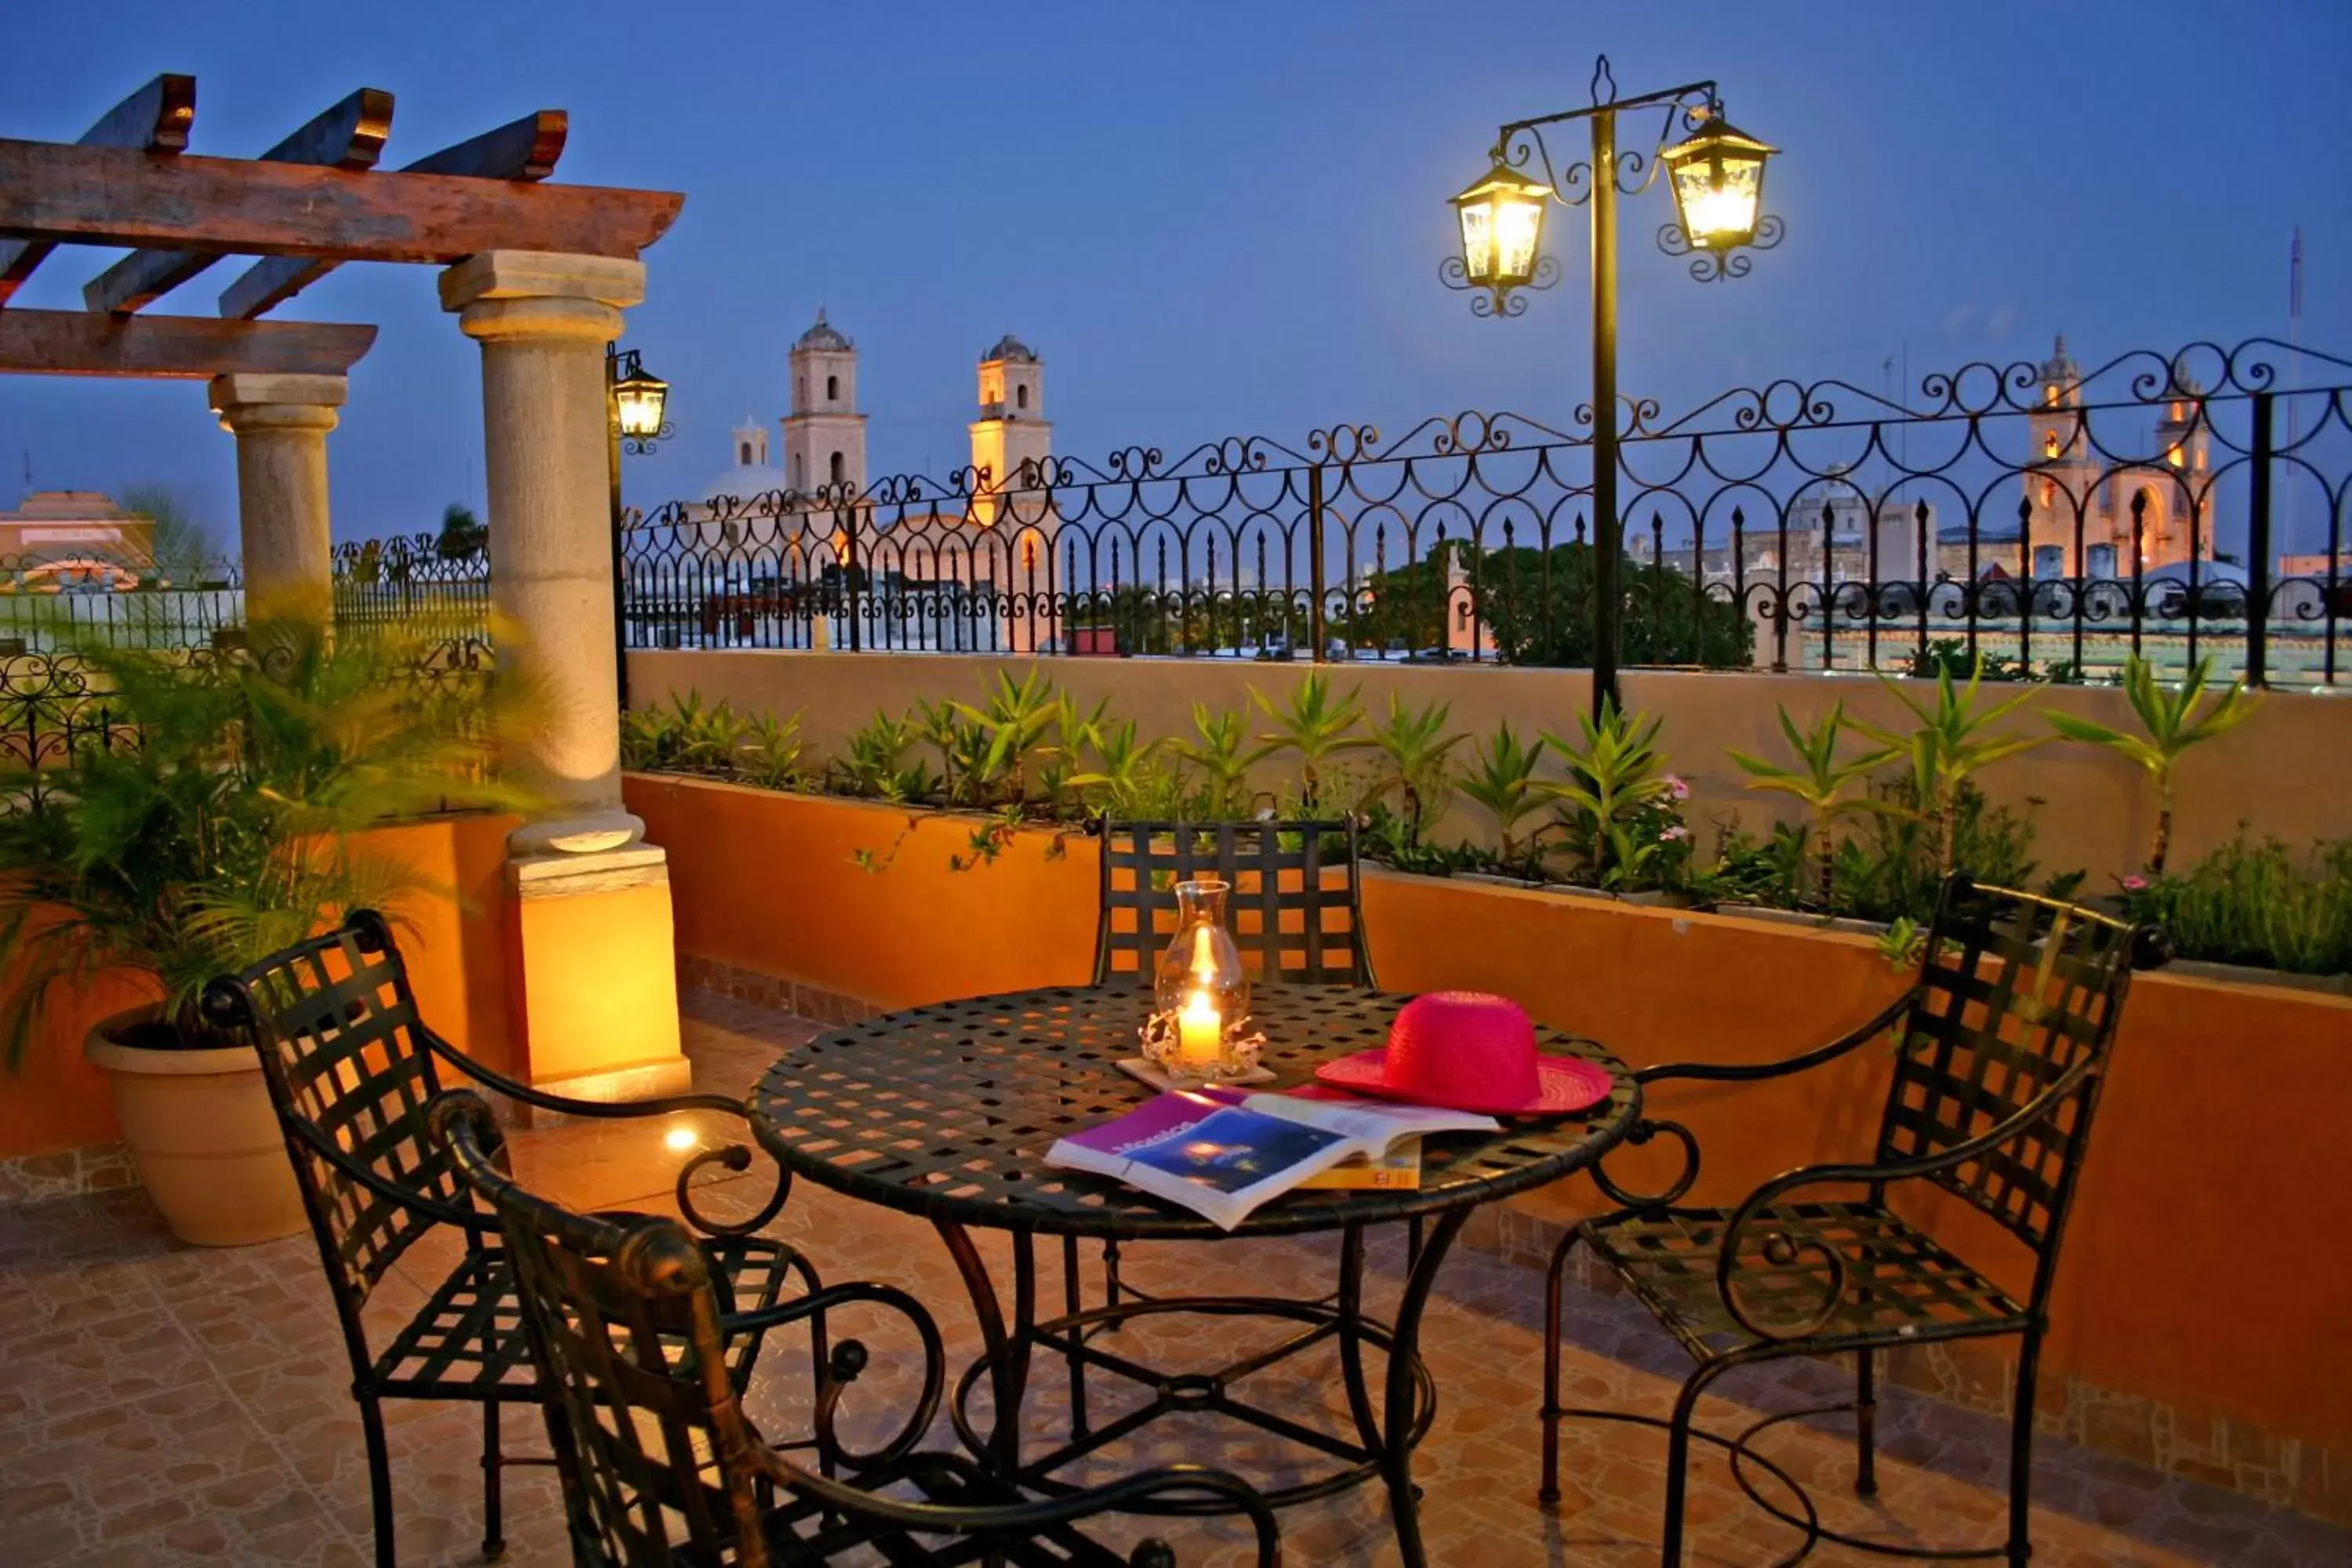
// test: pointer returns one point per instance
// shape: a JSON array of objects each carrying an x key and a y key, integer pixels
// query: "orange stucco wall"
[
  {"x": 2203, "y": 1267},
  {"x": 766, "y": 882},
  {"x": 454, "y": 936}
]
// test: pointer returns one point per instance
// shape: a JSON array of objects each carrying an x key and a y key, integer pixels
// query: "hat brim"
[{"x": 1565, "y": 1086}]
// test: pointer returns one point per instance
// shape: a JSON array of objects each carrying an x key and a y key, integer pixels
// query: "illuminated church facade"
[{"x": 802, "y": 510}]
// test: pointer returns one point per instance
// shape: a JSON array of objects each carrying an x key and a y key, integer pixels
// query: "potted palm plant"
[{"x": 218, "y": 818}]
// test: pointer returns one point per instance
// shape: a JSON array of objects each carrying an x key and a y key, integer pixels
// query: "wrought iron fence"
[
  {"x": 2168, "y": 504},
  {"x": 55, "y": 705},
  {"x": 49, "y": 603},
  {"x": 409, "y": 583}
]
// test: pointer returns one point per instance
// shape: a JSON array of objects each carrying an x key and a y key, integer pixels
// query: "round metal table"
[{"x": 946, "y": 1112}]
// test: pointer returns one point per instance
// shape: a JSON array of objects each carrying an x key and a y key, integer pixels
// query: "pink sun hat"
[{"x": 1467, "y": 1050}]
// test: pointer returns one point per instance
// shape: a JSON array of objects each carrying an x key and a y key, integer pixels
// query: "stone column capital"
[
  {"x": 541, "y": 296},
  {"x": 246, "y": 403}
]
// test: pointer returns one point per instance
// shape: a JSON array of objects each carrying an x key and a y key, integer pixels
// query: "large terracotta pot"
[{"x": 200, "y": 1125}]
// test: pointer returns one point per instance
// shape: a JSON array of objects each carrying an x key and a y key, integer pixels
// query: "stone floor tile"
[{"x": 168, "y": 1405}]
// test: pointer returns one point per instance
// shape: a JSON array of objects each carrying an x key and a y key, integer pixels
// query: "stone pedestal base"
[{"x": 597, "y": 1003}]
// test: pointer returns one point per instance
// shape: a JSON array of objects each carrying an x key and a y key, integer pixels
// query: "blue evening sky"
[{"x": 1215, "y": 218}]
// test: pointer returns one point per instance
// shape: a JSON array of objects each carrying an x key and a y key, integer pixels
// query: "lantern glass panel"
[
  {"x": 1478, "y": 240},
  {"x": 639, "y": 401},
  {"x": 1518, "y": 225},
  {"x": 1719, "y": 197}
]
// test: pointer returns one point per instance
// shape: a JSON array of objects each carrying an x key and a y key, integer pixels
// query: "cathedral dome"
[
  {"x": 822, "y": 336},
  {"x": 1009, "y": 347}
]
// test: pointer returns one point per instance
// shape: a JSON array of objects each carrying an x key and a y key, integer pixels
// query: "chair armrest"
[
  {"x": 1028, "y": 1517},
  {"x": 734, "y": 1156},
  {"x": 1730, "y": 1072},
  {"x": 1781, "y": 1249},
  {"x": 565, "y": 1105},
  {"x": 319, "y": 1144},
  {"x": 848, "y": 1359}
]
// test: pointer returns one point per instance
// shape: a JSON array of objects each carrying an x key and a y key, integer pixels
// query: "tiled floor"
[{"x": 162, "y": 1405}]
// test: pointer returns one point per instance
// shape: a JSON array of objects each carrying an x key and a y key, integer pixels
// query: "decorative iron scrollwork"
[
  {"x": 1714, "y": 266},
  {"x": 1638, "y": 1135}
]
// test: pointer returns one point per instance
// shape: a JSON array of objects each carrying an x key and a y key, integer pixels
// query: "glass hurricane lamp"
[{"x": 1201, "y": 993}]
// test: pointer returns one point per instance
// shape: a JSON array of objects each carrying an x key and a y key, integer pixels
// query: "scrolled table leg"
[
  {"x": 1405, "y": 1352},
  {"x": 1350, "y": 1306},
  {"x": 1006, "y": 1349}
]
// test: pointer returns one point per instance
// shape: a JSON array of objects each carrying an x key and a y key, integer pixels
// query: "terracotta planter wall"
[
  {"x": 457, "y": 948},
  {"x": 2204, "y": 1272}
]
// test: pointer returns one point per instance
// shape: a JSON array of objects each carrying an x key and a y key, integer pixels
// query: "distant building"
[
  {"x": 991, "y": 546},
  {"x": 2078, "y": 501},
  {"x": 75, "y": 539},
  {"x": 1829, "y": 532}
]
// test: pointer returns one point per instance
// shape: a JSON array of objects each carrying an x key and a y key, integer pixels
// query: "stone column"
[
  {"x": 597, "y": 989},
  {"x": 280, "y": 423},
  {"x": 543, "y": 321}
]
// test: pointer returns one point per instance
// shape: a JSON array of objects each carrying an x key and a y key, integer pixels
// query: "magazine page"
[
  {"x": 1221, "y": 1160},
  {"x": 1375, "y": 1123}
]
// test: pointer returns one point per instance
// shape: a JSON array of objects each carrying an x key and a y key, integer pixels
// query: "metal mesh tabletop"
[{"x": 946, "y": 1112}]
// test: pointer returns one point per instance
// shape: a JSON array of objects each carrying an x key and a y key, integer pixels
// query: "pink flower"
[
  {"x": 1675, "y": 832},
  {"x": 2134, "y": 884},
  {"x": 1677, "y": 787}
]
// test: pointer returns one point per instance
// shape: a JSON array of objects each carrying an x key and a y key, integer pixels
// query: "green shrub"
[{"x": 2257, "y": 904}]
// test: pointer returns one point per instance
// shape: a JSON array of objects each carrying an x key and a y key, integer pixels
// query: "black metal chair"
[
  {"x": 661, "y": 1467},
  {"x": 1297, "y": 904},
  {"x": 2000, "y": 1048},
  {"x": 350, "y": 1066},
  {"x": 1296, "y": 912}
]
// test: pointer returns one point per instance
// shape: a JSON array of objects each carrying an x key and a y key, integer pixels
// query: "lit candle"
[{"x": 1199, "y": 1032}]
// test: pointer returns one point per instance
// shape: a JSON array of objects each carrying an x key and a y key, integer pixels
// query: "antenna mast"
[{"x": 2293, "y": 375}]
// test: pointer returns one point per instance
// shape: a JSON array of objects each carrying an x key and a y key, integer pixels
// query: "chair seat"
[
  {"x": 802, "y": 1535},
  {"x": 1900, "y": 1286},
  {"x": 466, "y": 1341}
]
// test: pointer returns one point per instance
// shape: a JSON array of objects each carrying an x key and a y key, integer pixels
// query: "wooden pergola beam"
[
  {"x": 155, "y": 118},
  {"x": 525, "y": 149},
  {"x": 186, "y": 348},
  {"x": 89, "y": 196},
  {"x": 351, "y": 135}
]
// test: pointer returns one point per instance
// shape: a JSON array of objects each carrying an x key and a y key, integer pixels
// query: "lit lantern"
[
  {"x": 1718, "y": 181},
  {"x": 638, "y": 399},
  {"x": 1201, "y": 993},
  {"x": 1502, "y": 217}
]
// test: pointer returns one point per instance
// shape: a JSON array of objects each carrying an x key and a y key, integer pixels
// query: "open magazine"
[{"x": 1222, "y": 1152}]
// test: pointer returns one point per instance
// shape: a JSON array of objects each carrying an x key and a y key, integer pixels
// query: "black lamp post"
[
  {"x": 636, "y": 408},
  {"x": 1717, "y": 175}
]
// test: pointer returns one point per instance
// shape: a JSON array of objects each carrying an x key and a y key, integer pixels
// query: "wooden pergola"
[
  {"x": 304, "y": 207},
  {"x": 539, "y": 275}
]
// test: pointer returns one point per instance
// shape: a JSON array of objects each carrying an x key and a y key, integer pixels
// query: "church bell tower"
[
  {"x": 825, "y": 436},
  {"x": 1012, "y": 440}
]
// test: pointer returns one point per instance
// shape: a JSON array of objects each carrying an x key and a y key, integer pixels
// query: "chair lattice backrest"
[
  {"x": 339, "y": 1034},
  {"x": 623, "y": 1318},
  {"x": 2014, "y": 989},
  {"x": 1295, "y": 907}
]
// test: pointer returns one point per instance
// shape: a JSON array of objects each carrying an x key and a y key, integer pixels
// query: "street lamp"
[
  {"x": 638, "y": 397},
  {"x": 1717, "y": 175},
  {"x": 1502, "y": 217},
  {"x": 637, "y": 406}
]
